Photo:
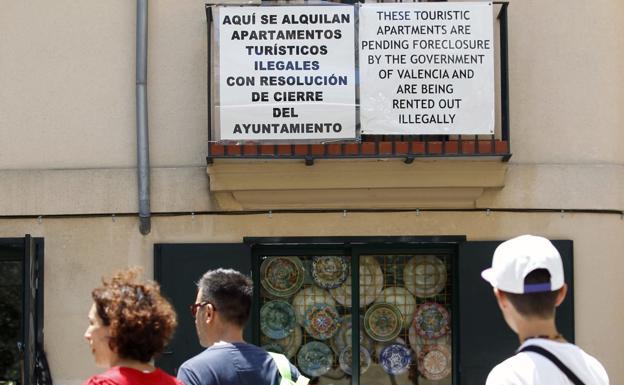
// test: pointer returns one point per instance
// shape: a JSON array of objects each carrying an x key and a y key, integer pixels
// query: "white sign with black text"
[
  {"x": 286, "y": 73},
  {"x": 426, "y": 68}
]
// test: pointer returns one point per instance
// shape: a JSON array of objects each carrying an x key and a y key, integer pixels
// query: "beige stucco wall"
[
  {"x": 67, "y": 75},
  {"x": 67, "y": 146},
  {"x": 78, "y": 252}
]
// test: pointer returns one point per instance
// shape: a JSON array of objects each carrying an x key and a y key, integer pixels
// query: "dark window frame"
[{"x": 20, "y": 245}]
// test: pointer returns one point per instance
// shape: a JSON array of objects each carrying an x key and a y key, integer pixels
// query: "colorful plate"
[
  {"x": 371, "y": 284},
  {"x": 434, "y": 362},
  {"x": 342, "y": 338},
  {"x": 281, "y": 277},
  {"x": 315, "y": 358},
  {"x": 395, "y": 359},
  {"x": 329, "y": 272},
  {"x": 379, "y": 346},
  {"x": 425, "y": 276},
  {"x": 345, "y": 359},
  {"x": 321, "y": 321},
  {"x": 289, "y": 344},
  {"x": 277, "y": 319},
  {"x": 431, "y": 320},
  {"x": 402, "y": 299},
  {"x": 383, "y": 321},
  {"x": 418, "y": 342},
  {"x": 308, "y": 297}
]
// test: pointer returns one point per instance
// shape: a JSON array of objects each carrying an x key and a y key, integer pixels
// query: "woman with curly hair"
[{"x": 129, "y": 323}]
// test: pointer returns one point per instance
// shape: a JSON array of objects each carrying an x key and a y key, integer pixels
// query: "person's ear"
[
  {"x": 210, "y": 312},
  {"x": 561, "y": 295},
  {"x": 501, "y": 298}
]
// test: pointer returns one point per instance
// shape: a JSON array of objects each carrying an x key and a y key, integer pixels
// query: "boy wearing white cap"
[{"x": 528, "y": 282}]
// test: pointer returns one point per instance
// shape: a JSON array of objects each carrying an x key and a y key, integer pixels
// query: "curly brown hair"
[{"x": 140, "y": 320}]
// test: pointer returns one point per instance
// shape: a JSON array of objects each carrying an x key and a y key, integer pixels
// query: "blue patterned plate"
[
  {"x": 277, "y": 319},
  {"x": 395, "y": 359},
  {"x": 315, "y": 358}
]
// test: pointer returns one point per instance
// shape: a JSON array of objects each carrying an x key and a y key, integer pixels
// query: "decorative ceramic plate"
[
  {"x": 431, "y": 320},
  {"x": 342, "y": 338},
  {"x": 395, "y": 359},
  {"x": 275, "y": 348},
  {"x": 425, "y": 276},
  {"x": 434, "y": 362},
  {"x": 289, "y": 344},
  {"x": 329, "y": 272},
  {"x": 308, "y": 297},
  {"x": 281, "y": 276},
  {"x": 379, "y": 346},
  {"x": 277, "y": 319},
  {"x": 345, "y": 359},
  {"x": 418, "y": 342},
  {"x": 402, "y": 299},
  {"x": 321, "y": 321},
  {"x": 382, "y": 321},
  {"x": 315, "y": 358},
  {"x": 371, "y": 284}
]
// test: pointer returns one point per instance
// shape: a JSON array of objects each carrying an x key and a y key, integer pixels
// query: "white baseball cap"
[{"x": 514, "y": 259}]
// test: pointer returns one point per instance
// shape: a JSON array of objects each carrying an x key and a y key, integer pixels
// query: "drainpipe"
[{"x": 143, "y": 166}]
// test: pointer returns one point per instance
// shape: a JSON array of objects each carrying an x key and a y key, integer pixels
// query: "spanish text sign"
[
  {"x": 426, "y": 68},
  {"x": 286, "y": 73}
]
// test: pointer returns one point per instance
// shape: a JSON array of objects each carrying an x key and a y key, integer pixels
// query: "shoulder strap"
[
  {"x": 539, "y": 350},
  {"x": 283, "y": 366}
]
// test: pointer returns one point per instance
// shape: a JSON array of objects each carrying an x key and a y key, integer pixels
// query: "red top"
[{"x": 118, "y": 375}]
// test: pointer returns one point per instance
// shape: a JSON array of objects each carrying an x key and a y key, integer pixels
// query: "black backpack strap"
[{"x": 539, "y": 350}]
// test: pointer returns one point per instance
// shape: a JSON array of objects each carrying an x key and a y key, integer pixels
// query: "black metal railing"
[{"x": 408, "y": 147}]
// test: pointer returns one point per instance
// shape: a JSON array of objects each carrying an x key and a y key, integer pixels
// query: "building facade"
[{"x": 68, "y": 167}]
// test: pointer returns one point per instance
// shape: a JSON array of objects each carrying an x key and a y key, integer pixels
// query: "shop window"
[
  {"x": 425, "y": 315},
  {"x": 404, "y": 303}
]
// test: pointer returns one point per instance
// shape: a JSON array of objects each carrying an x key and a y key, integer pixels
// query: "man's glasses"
[{"x": 194, "y": 307}]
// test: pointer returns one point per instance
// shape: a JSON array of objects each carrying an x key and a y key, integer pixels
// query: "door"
[{"x": 178, "y": 268}]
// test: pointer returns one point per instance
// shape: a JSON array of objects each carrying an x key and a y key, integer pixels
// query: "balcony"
[
  {"x": 406, "y": 147},
  {"x": 375, "y": 171}
]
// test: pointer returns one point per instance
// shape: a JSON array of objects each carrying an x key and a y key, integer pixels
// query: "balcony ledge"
[{"x": 350, "y": 184}]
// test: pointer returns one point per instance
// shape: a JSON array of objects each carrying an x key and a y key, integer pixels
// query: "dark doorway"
[
  {"x": 178, "y": 267},
  {"x": 21, "y": 308}
]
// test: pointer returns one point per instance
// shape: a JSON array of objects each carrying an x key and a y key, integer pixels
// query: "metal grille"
[{"x": 404, "y": 303}]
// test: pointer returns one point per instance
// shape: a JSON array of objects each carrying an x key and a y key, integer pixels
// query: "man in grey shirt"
[{"x": 221, "y": 310}]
